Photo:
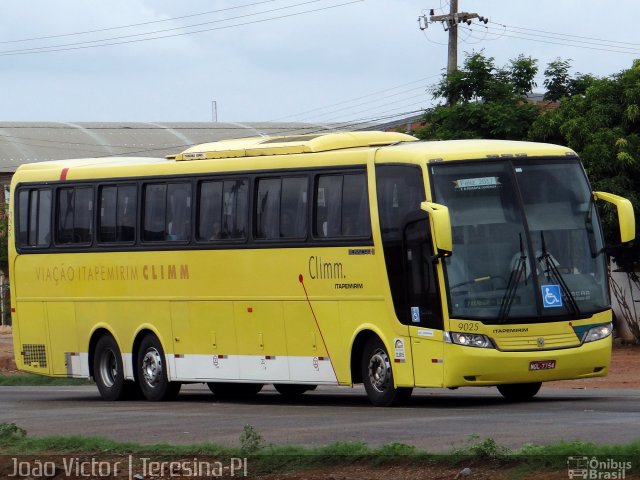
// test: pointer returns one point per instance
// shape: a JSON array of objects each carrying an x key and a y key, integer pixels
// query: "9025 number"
[{"x": 468, "y": 327}]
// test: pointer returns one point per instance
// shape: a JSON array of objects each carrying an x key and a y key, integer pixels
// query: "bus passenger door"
[{"x": 423, "y": 304}]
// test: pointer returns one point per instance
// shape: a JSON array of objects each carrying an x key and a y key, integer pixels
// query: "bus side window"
[
  {"x": 34, "y": 217},
  {"x": 342, "y": 206},
  {"x": 355, "y": 207},
  {"x": 127, "y": 207},
  {"x": 155, "y": 197},
  {"x": 222, "y": 210},
  {"x": 293, "y": 208},
  {"x": 235, "y": 209},
  {"x": 117, "y": 214},
  {"x": 329, "y": 206},
  {"x": 23, "y": 218},
  {"x": 210, "y": 211},
  {"x": 178, "y": 222},
  {"x": 167, "y": 212},
  {"x": 107, "y": 217},
  {"x": 75, "y": 215},
  {"x": 43, "y": 237},
  {"x": 268, "y": 208}
]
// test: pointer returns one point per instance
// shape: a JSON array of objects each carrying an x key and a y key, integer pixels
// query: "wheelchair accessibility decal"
[{"x": 551, "y": 296}]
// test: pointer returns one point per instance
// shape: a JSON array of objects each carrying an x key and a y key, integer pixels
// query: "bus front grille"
[{"x": 537, "y": 342}]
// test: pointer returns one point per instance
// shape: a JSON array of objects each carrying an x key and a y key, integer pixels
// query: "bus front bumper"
[{"x": 468, "y": 366}]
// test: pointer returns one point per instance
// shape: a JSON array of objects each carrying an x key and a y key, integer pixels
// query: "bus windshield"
[{"x": 527, "y": 245}]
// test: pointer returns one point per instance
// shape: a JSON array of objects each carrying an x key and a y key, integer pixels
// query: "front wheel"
[
  {"x": 519, "y": 392},
  {"x": 152, "y": 371},
  {"x": 377, "y": 376}
]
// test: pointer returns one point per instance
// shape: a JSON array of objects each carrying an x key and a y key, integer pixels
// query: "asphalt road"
[{"x": 435, "y": 420}]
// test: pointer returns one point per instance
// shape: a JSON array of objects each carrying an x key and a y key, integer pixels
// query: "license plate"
[{"x": 542, "y": 365}]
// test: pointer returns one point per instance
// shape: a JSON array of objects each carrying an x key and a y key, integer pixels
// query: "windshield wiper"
[
  {"x": 551, "y": 271},
  {"x": 512, "y": 286}
]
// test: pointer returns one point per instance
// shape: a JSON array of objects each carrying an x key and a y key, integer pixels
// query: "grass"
[
  {"x": 271, "y": 459},
  {"x": 27, "y": 379}
]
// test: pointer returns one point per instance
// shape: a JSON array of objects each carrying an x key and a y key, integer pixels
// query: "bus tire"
[
  {"x": 519, "y": 392},
  {"x": 230, "y": 390},
  {"x": 377, "y": 376},
  {"x": 108, "y": 370},
  {"x": 292, "y": 390},
  {"x": 152, "y": 371}
]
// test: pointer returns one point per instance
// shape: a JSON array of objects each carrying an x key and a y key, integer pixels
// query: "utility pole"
[
  {"x": 452, "y": 53},
  {"x": 450, "y": 24}
]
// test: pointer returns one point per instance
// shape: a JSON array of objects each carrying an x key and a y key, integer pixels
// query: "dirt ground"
[
  {"x": 7, "y": 362},
  {"x": 625, "y": 365}
]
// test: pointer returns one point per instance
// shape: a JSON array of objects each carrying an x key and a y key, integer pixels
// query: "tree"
[
  {"x": 559, "y": 83},
  {"x": 603, "y": 126},
  {"x": 484, "y": 101}
]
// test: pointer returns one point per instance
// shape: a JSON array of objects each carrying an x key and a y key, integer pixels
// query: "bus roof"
[
  {"x": 432, "y": 150},
  {"x": 286, "y": 145},
  {"x": 245, "y": 154}
]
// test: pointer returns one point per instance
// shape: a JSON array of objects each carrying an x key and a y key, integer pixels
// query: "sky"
[{"x": 276, "y": 60}]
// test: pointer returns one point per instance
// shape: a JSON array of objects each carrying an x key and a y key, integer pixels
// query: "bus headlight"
[
  {"x": 468, "y": 339},
  {"x": 598, "y": 333}
]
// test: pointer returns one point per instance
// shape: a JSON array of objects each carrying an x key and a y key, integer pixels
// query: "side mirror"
[
  {"x": 626, "y": 218},
  {"x": 440, "y": 226}
]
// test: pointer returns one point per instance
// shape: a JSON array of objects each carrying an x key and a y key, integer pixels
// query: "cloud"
[{"x": 272, "y": 69}]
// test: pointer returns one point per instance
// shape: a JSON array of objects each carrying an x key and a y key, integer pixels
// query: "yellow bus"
[{"x": 329, "y": 259}]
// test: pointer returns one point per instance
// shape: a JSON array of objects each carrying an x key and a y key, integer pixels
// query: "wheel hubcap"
[
  {"x": 380, "y": 370},
  {"x": 108, "y": 368},
  {"x": 152, "y": 367}
]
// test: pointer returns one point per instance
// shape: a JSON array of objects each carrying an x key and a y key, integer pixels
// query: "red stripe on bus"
[{"x": 63, "y": 174}]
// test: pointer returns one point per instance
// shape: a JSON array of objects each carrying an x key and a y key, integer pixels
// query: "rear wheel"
[
  {"x": 234, "y": 390},
  {"x": 152, "y": 371},
  {"x": 292, "y": 389},
  {"x": 519, "y": 392},
  {"x": 377, "y": 376},
  {"x": 108, "y": 370}
]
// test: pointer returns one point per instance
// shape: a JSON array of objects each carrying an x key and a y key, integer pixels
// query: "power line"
[
  {"x": 82, "y": 45},
  {"x": 121, "y": 27},
  {"x": 368, "y": 121},
  {"x": 377, "y": 107},
  {"x": 562, "y": 42},
  {"x": 355, "y": 99},
  {"x": 121, "y": 37},
  {"x": 580, "y": 42},
  {"x": 566, "y": 34},
  {"x": 371, "y": 121},
  {"x": 334, "y": 111},
  {"x": 554, "y": 39}
]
